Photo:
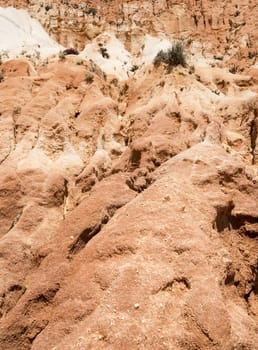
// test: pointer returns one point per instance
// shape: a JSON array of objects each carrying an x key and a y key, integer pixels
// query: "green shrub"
[{"x": 173, "y": 57}]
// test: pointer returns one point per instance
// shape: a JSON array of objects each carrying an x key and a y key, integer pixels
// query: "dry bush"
[{"x": 173, "y": 57}]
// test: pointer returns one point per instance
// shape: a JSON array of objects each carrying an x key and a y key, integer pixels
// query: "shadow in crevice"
[
  {"x": 223, "y": 217},
  {"x": 84, "y": 237},
  {"x": 226, "y": 220},
  {"x": 239, "y": 233},
  {"x": 88, "y": 233},
  {"x": 135, "y": 159}
]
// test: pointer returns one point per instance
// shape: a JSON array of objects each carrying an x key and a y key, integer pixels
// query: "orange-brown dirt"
[{"x": 129, "y": 208}]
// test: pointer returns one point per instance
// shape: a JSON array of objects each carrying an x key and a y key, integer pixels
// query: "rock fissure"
[
  {"x": 84, "y": 237},
  {"x": 15, "y": 221},
  {"x": 253, "y": 136}
]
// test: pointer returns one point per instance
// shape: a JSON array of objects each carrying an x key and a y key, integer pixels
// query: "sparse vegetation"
[
  {"x": 134, "y": 68},
  {"x": 124, "y": 89},
  {"x": 233, "y": 69},
  {"x": 5, "y": 54},
  {"x": 89, "y": 78},
  {"x": 1, "y": 76},
  {"x": 48, "y": 7},
  {"x": 189, "y": 41},
  {"x": 104, "y": 52},
  {"x": 218, "y": 57},
  {"x": 173, "y": 57},
  {"x": 91, "y": 11},
  {"x": 61, "y": 56},
  {"x": 191, "y": 69},
  {"x": 45, "y": 62},
  {"x": 217, "y": 92},
  {"x": 252, "y": 54}
]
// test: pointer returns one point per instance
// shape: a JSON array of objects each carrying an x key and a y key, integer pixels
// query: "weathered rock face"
[
  {"x": 129, "y": 208},
  {"x": 225, "y": 30}
]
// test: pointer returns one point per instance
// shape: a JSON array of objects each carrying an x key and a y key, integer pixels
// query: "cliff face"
[
  {"x": 223, "y": 29},
  {"x": 129, "y": 201}
]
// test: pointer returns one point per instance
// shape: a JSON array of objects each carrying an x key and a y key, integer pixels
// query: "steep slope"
[
  {"x": 20, "y": 34},
  {"x": 128, "y": 197},
  {"x": 225, "y": 30}
]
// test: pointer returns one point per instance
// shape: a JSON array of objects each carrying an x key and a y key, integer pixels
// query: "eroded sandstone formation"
[
  {"x": 224, "y": 30},
  {"x": 129, "y": 207}
]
